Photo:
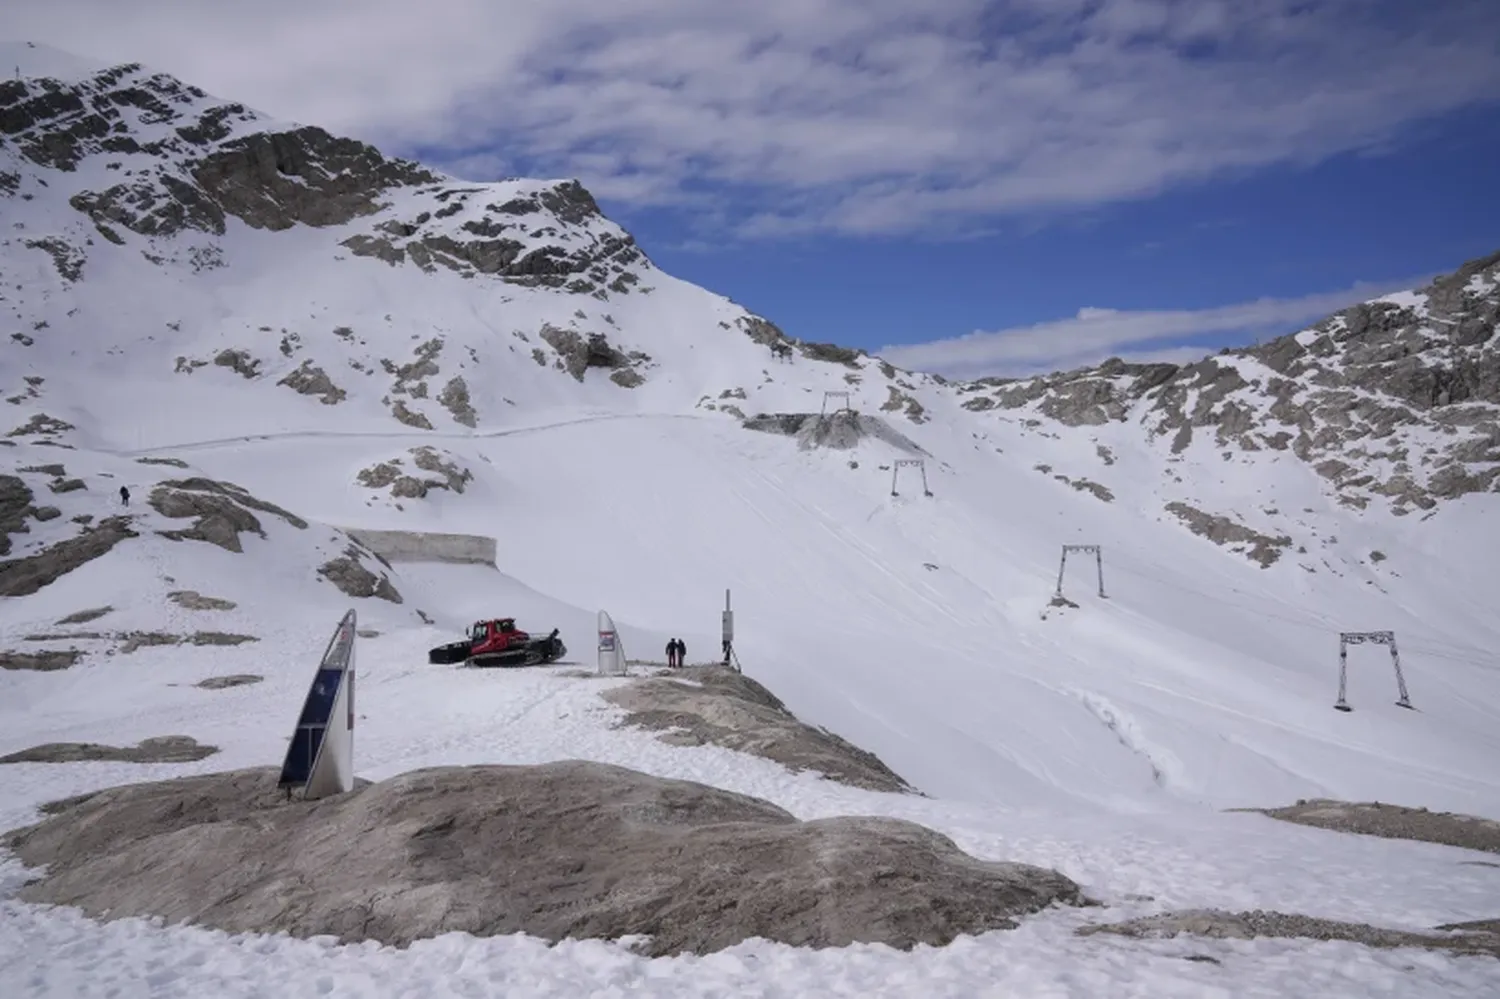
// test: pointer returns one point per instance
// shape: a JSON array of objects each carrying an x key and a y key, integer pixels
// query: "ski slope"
[
  {"x": 1102, "y": 741},
  {"x": 1201, "y": 678}
]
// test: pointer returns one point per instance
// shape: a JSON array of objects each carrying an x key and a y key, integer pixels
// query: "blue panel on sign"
[{"x": 316, "y": 712}]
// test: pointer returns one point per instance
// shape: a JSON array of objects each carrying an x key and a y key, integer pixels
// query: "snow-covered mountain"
[{"x": 279, "y": 340}]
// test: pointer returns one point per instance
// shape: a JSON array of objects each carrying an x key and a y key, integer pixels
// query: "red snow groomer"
[{"x": 498, "y": 642}]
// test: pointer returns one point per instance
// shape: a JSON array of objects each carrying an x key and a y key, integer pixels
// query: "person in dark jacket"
[
  {"x": 672, "y": 652},
  {"x": 124, "y": 496},
  {"x": 681, "y": 652}
]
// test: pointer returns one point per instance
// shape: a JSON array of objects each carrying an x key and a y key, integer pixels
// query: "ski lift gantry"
[
  {"x": 1386, "y": 638},
  {"x": 918, "y": 464},
  {"x": 845, "y": 408}
]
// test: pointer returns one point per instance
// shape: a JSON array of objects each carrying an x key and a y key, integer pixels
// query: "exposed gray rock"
[
  {"x": 899, "y": 400},
  {"x": 1221, "y": 925},
  {"x": 1374, "y": 818},
  {"x": 840, "y": 430},
  {"x": 238, "y": 361},
  {"x": 174, "y": 462},
  {"x": 580, "y": 352},
  {"x": 22, "y": 577},
  {"x": 412, "y": 419},
  {"x": 222, "y": 511},
  {"x": 349, "y": 574},
  {"x": 41, "y": 425},
  {"x": 733, "y": 711},
  {"x": 229, "y": 680},
  {"x": 85, "y": 616},
  {"x": 41, "y": 662},
  {"x": 1262, "y": 548},
  {"x": 193, "y": 600},
  {"x": 134, "y": 641},
  {"x": 455, "y": 399},
  {"x": 1378, "y": 372},
  {"x": 309, "y": 379},
  {"x": 67, "y": 259},
  {"x": 16, "y": 500},
  {"x": 163, "y": 749},
  {"x": 454, "y": 476},
  {"x": 567, "y": 850},
  {"x": 449, "y": 475},
  {"x": 276, "y": 180}
]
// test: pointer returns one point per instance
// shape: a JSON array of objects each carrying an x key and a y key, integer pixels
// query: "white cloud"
[
  {"x": 856, "y": 116},
  {"x": 1095, "y": 334}
]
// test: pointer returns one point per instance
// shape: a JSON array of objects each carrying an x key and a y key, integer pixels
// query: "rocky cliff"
[{"x": 1393, "y": 401}]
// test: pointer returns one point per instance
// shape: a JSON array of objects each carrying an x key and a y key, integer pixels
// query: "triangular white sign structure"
[
  {"x": 611, "y": 650},
  {"x": 320, "y": 758}
]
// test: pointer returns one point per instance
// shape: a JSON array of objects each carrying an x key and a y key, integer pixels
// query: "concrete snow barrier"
[{"x": 426, "y": 546}]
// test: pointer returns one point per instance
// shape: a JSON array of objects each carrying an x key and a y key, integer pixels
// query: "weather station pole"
[{"x": 729, "y": 656}]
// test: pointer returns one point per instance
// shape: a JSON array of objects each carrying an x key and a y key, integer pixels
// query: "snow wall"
[{"x": 426, "y": 546}]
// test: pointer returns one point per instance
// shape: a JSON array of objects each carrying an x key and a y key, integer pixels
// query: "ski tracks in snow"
[{"x": 1166, "y": 769}]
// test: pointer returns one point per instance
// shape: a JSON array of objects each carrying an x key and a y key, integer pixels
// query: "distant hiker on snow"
[
  {"x": 681, "y": 652},
  {"x": 672, "y": 652},
  {"x": 124, "y": 496}
]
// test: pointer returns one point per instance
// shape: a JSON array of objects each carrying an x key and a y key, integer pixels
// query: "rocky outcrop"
[
  {"x": 309, "y": 379},
  {"x": 348, "y": 573},
  {"x": 469, "y": 231},
  {"x": 443, "y": 473},
  {"x": 275, "y": 180},
  {"x": 578, "y": 352},
  {"x": 40, "y": 662},
  {"x": 22, "y": 577},
  {"x": 839, "y": 431},
  {"x": 567, "y": 850},
  {"x": 1395, "y": 400},
  {"x": 722, "y": 707},
  {"x": 221, "y": 511},
  {"x": 1219, "y": 925},
  {"x": 193, "y": 600},
  {"x": 16, "y": 505},
  {"x": 1374, "y": 818},
  {"x": 162, "y": 749},
  {"x": 229, "y": 680},
  {"x": 1221, "y": 530}
]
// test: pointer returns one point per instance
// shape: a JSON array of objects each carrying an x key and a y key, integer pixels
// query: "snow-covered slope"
[{"x": 359, "y": 342}]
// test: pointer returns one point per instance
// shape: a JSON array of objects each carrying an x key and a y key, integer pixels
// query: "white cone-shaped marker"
[{"x": 611, "y": 651}]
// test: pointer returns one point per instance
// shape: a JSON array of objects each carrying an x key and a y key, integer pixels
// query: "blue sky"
[{"x": 969, "y": 186}]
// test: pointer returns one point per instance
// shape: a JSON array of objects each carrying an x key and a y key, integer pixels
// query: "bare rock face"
[
  {"x": 309, "y": 379},
  {"x": 162, "y": 749},
  {"x": 838, "y": 431},
  {"x": 1476, "y": 938},
  {"x": 733, "y": 711},
  {"x": 41, "y": 662},
  {"x": 568, "y": 850},
  {"x": 1257, "y": 547},
  {"x": 443, "y": 473},
  {"x": 1375, "y": 818},
  {"x": 193, "y": 600},
  {"x": 277, "y": 180},
  {"x": 222, "y": 510},
  {"x": 578, "y": 352},
  {"x": 1386, "y": 400},
  {"x": 22, "y": 577},
  {"x": 514, "y": 240},
  {"x": 349, "y": 574},
  {"x": 16, "y": 501},
  {"x": 229, "y": 680}
]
